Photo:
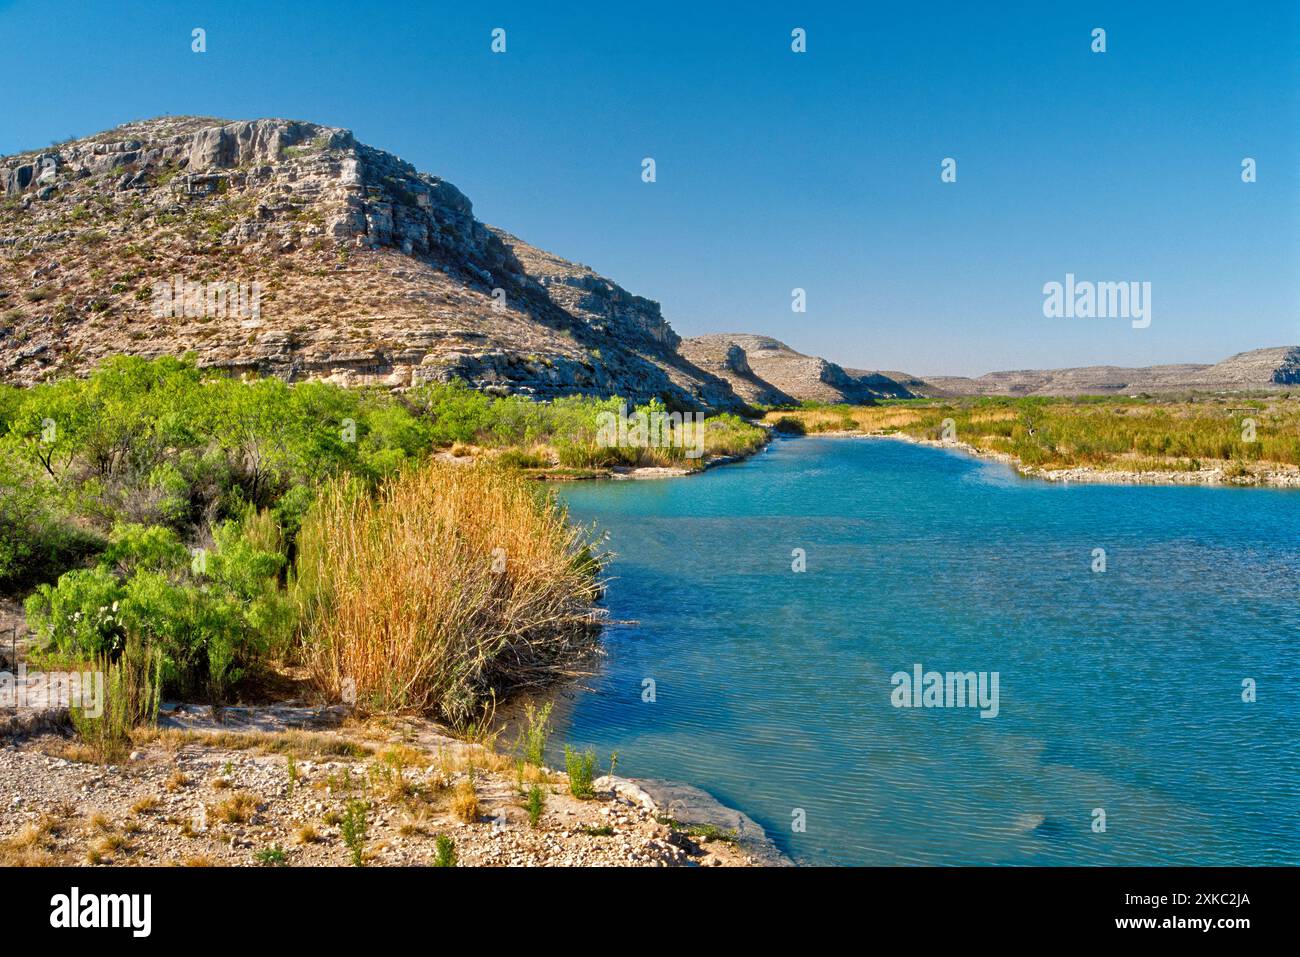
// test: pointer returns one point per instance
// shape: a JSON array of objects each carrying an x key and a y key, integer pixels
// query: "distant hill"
[
  {"x": 766, "y": 371},
  {"x": 1274, "y": 368}
]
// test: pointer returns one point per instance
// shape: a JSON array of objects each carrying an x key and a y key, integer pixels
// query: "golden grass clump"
[
  {"x": 465, "y": 803},
  {"x": 144, "y": 805},
  {"x": 236, "y": 809},
  {"x": 450, "y": 583},
  {"x": 33, "y": 845}
]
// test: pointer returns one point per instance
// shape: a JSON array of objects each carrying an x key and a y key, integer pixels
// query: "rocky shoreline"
[{"x": 270, "y": 786}]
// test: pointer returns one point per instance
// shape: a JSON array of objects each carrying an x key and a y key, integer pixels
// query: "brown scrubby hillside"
[{"x": 369, "y": 272}]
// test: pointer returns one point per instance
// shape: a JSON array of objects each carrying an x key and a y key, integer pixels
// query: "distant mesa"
[{"x": 1259, "y": 369}]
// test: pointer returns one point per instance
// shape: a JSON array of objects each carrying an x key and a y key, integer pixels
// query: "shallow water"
[{"x": 1119, "y": 690}]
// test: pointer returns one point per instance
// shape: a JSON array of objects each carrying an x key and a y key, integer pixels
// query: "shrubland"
[
  {"x": 202, "y": 528},
  {"x": 1110, "y": 432}
]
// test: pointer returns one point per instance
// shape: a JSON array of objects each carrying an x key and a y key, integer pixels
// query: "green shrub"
[
  {"x": 581, "y": 767},
  {"x": 523, "y": 459},
  {"x": 209, "y": 621},
  {"x": 36, "y": 540},
  {"x": 81, "y": 615},
  {"x": 536, "y": 804},
  {"x": 444, "y": 851},
  {"x": 353, "y": 830},
  {"x": 273, "y": 856},
  {"x": 134, "y": 547}
]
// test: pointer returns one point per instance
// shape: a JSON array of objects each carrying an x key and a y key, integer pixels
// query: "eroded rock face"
[
  {"x": 766, "y": 371},
  {"x": 370, "y": 272},
  {"x": 1287, "y": 371}
]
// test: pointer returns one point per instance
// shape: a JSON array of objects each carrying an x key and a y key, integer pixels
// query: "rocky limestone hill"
[
  {"x": 368, "y": 272},
  {"x": 765, "y": 371},
  {"x": 1265, "y": 369}
]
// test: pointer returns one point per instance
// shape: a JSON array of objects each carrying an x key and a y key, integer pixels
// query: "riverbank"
[
  {"x": 553, "y": 471},
  {"x": 1234, "y": 440},
  {"x": 1218, "y": 474},
  {"x": 198, "y": 793}
]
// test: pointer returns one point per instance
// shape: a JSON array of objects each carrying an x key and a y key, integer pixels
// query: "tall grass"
[
  {"x": 131, "y": 695},
  {"x": 532, "y": 737},
  {"x": 450, "y": 583}
]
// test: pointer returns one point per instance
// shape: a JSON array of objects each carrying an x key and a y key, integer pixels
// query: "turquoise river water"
[{"x": 1118, "y": 691}]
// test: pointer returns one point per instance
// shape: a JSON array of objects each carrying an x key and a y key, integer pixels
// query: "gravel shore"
[{"x": 246, "y": 797}]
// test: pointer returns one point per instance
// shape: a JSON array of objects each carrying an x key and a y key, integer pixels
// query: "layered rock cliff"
[{"x": 365, "y": 271}]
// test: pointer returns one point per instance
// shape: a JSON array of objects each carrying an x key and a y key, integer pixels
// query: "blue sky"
[{"x": 779, "y": 170}]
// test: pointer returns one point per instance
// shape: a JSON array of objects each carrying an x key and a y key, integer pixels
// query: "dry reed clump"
[
  {"x": 452, "y": 582},
  {"x": 464, "y": 802}
]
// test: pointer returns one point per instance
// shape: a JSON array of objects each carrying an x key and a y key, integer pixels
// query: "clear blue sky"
[{"x": 778, "y": 170}]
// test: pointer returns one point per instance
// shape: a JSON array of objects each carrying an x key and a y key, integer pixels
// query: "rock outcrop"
[
  {"x": 352, "y": 267},
  {"x": 765, "y": 371}
]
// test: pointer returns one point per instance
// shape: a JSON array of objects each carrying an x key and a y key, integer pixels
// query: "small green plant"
[
  {"x": 581, "y": 766},
  {"x": 353, "y": 829},
  {"x": 598, "y": 830},
  {"x": 711, "y": 832},
  {"x": 272, "y": 856},
  {"x": 293, "y": 773},
  {"x": 532, "y": 739},
  {"x": 444, "y": 851},
  {"x": 129, "y": 690},
  {"x": 704, "y": 832},
  {"x": 536, "y": 804}
]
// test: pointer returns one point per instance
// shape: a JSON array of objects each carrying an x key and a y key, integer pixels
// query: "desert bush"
[
  {"x": 80, "y": 615},
  {"x": 452, "y": 582},
  {"x": 536, "y": 805},
  {"x": 581, "y": 767},
  {"x": 444, "y": 851},
  {"x": 208, "y": 623}
]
